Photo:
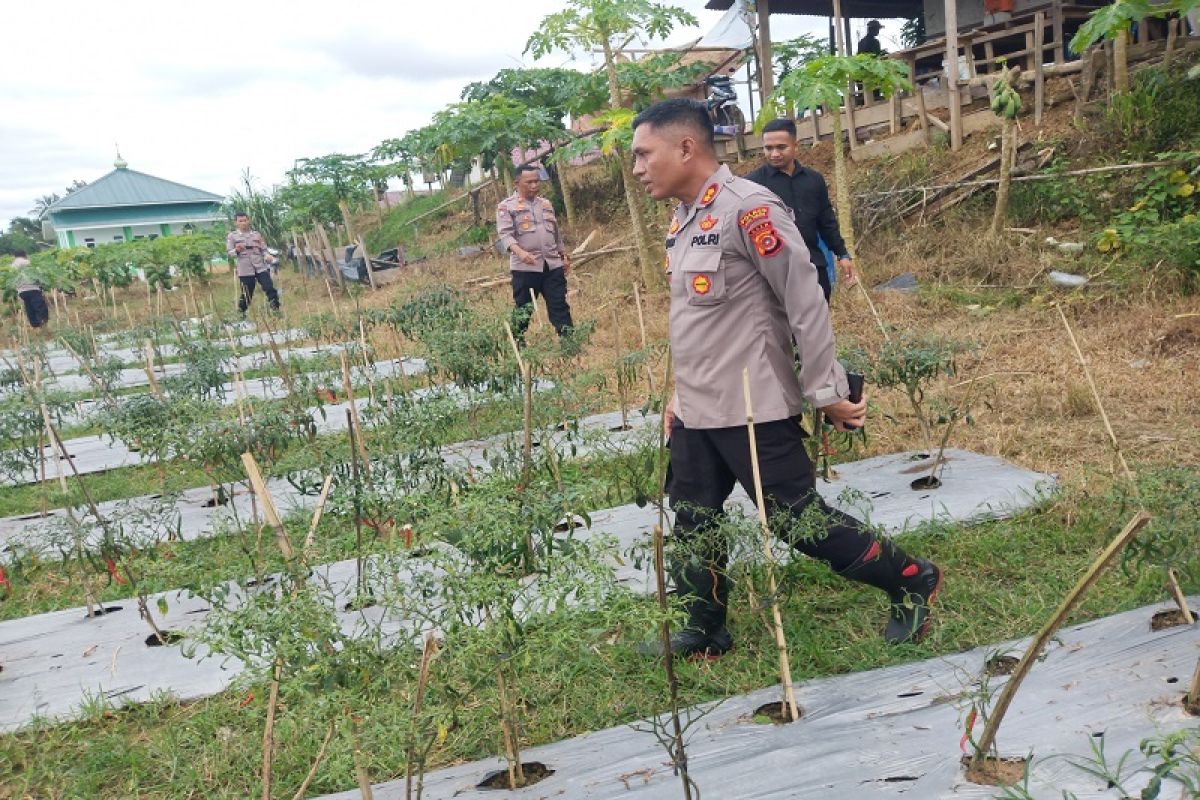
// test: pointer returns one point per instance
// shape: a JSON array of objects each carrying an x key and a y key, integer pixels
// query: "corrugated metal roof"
[
  {"x": 824, "y": 8},
  {"x": 128, "y": 187}
]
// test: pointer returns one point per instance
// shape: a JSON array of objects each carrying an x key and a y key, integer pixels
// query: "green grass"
[{"x": 1003, "y": 579}]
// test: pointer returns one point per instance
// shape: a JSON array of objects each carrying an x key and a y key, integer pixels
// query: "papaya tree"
[
  {"x": 607, "y": 25},
  {"x": 347, "y": 175},
  {"x": 1006, "y": 104},
  {"x": 826, "y": 81},
  {"x": 1113, "y": 23}
]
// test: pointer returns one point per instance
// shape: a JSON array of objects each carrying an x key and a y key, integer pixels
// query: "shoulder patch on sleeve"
[
  {"x": 765, "y": 238},
  {"x": 754, "y": 215}
]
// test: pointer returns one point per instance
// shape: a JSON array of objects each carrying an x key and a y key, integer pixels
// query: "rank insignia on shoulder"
[
  {"x": 667, "y": 264},
  {"x": 675, "y": 226},
  {"x": 708, "y": 223},
  {"x": 709, "y": 195},
  {"x": 701, "y": 284},
  {"x": 525, "y": 226},
  {"x": 754, "y": 215}
]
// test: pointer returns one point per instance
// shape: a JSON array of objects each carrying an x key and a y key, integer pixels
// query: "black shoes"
[
  {"x": 908, "y": 618},
  {"x": 910, "y": 583},
  {"x": 706, "y": 594}
]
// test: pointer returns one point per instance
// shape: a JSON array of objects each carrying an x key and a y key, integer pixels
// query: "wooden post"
[
  {"x": 332, "y": 255},
  {"x": 1056, "y": 17},
  {"x": 1039, "y": 72},
  {"x": 843, "y": 48},
  {"x": 765, "y": 57},
  {"x": 362, "y": 246},
  {"x": 952, "y": 96}
]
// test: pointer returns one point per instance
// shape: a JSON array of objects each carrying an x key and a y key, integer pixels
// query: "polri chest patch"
[{"x": 706, "y": 240}]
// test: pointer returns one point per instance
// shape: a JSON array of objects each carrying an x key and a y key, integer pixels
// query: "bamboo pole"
[
  {"x": 312, "y": 770},
  {"x": 317, "y": 513},
  {"x": 349, "y": 387},
  {"x": 988, "y": 740},
  {"x": 427, "y": 653},
  {"x": 362, "y": 246},
  {"x": 154, "y": 387},
  {"x": 637, "y": 298},
  {"x": 785, "y": 667}
]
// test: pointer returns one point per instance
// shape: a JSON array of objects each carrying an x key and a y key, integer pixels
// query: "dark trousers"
[
  {"x": 550, "y": 284},
  {"x": 247, "y": 282},
  {"x": 705, "y": 463},
  {"x": 36, "y": 309}
]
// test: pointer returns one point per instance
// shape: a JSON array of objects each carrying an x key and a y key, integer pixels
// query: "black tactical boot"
[
  {"x": 910, "y": 583},
  {"x": 706, "y": 595}
]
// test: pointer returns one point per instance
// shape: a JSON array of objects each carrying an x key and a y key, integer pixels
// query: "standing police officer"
[
  {"x": 743, "y": 288},
  {"x": 253, "y": 262},
  {"x": 529, "y": 233}
]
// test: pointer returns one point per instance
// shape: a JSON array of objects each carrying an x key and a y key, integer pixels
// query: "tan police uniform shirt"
[
  {"x": 532, "y": 226},
  {"x": 252, "y": 259},
  {"x": 742, "y": 289}
]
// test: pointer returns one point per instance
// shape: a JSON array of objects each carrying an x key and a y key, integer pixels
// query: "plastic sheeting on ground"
[
  {"x": 36, "y": 646},
  {"x": 888, "y": 733}
]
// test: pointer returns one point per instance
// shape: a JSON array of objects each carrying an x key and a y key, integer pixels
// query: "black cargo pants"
[{"x": 550, "y": 284}]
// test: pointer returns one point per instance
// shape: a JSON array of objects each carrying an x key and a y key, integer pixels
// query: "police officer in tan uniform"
[
  {"x": 253, "y": 262},
  {"x": 744, "y": 294},
  {"x": 529, "y": 233}
]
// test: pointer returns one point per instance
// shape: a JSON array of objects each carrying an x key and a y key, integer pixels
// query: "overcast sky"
[{"x": 199, "y": 93}]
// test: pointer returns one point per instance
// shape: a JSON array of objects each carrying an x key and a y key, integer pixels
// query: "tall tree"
[
  {"x": 825, "y": 81},
  {"x": 608, "y": 25}
]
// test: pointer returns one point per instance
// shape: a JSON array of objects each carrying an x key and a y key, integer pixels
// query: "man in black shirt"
[
  {"x": 870, "y": 42},
  {"x": 805, "y": 193}
]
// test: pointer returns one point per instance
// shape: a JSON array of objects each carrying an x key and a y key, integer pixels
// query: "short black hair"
[
  {"x": 241, "y": 214},
  {"x": 788, "y": 126},
  {"x": 20, "y": 254},
  {"x": 680, "y": 111},
  {"x": 521, "y": 170}
]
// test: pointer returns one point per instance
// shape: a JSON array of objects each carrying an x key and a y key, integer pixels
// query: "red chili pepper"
[
  {"x": 112, "y": 570},
  {"x": 247, "y": 700},
  {"x": 969, "y": 725},
  {"x": 4, "y": 581},
  {"x": 408, "y": 536}
]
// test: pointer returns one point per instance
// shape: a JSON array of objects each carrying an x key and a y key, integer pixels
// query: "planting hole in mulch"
[
  {"x": 1172, "y": 680},
  {"x": 100, "y": 611},
  {"x": 169, "y": 637},
  {"x": 28, "y": 517},
  {"x": 213, "y": 502},
  {"x": 925, "y": 482},
  {"x": 267, "y": 581},
  {"x": 1000, "y": 665},
  {"x": 774, "y": 714},
  {"x": 1168, "y": 618},
  {"x": 620, "y": 428},
  {"x": 995, "y": 771},
  {"x": 359, "y": 603},
  {"x": 910, "y": 694},
  {"x": 535, "y": 771}
]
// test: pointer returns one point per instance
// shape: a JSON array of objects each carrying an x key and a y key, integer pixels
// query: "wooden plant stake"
[
  {"x": 1193, "y": 696},
  {"x": 349, "y": 388},
  {"x": 312, "y": 770},
  {"x": 154, "y": 387},
  {"x": 785, "y": 667},
  {"x": 271, "y": 513},
  {"x": 360, "y": 587},
  {"x": 988, "y": 740},
  {"x": 620, "y": 380},
  {"x": 427, "y": 653},
  {"x": 317, "y": 513},
  {"x": 1180, "y": 600},
  {"x": 678, "y": 748},
  {"x": 637, "y": 298},
  {"x": 59, "y": 455}
]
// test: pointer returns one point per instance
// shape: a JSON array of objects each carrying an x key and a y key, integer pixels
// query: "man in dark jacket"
[{"x": 803, "y": 190}]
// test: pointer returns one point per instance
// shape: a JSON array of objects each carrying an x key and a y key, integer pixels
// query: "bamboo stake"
[
  {"x": 317, "y": 513},
  {"x": 58, "y": 457},
  {"x": 312, "y": 771},
  {"x": 360, "y": 767},
  {"x": 1099, "y": 404},
  {"x": 154, "y": 387},
  {"x": 1193, "y": 696},
  {"x": 1180, "y": 600},
  {"x": 637, "y": 298},
  {"x": 679, "y": 750},
  {"x": 620, "y": 381},
  {"x": 268, "y": 745},
  {"x": 362, "y": 448},
  {"x": 367, "y": 261},
  {"x": 427, "y": 653},
  {"x": 988, "y": 740},
  {"x": 269, "y": 511},
  {"x": 785, "y": 667}
]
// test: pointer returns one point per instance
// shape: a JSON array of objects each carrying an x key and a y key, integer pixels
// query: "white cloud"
[{"x": 197, "y": 94}]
